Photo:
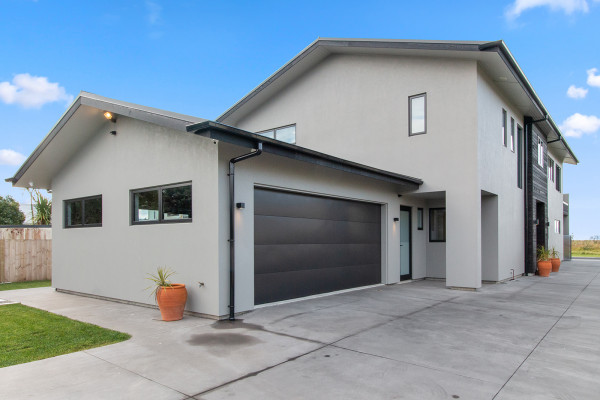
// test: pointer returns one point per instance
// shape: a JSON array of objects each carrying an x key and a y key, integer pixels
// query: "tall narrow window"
[
  {"x": 504, "y": 133},
  {"x": 558, "y": 179},
  {"x": 417, "y": 114},
  {"x": 540, "y": 152},
  {"x": 437, "y": 224},
  {"x": 519, "y": 157},
  {"x": 420, "y": 219},
  {"x": 556, "y": 226},
  {"x": 512, "y": 134},
  {"x": 550, "y": 169}
]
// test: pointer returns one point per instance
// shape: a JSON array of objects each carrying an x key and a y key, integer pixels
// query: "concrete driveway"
[{"x": 533, "y": 338}]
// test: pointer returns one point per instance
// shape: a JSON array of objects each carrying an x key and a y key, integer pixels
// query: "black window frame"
[
  {"x": 410, "y": 99},
  {"x": 512, "y": 134},
  {"x": 431, "y": 210},
  {"x": 160, "y": 219},
  {"x": 558, "y": 179},
  {"x": 82, "y": 200},
  {"x": 420, "y": 217},
  {"x": 504, "y": 127}
]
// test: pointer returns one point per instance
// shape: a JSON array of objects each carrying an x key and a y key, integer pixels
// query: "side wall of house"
[
  {"x": 555, "y": 208},
  {"x": 356, "y": 107},
  {"x": 498, "y": 165},
  {"x": 113, "y": 260}
]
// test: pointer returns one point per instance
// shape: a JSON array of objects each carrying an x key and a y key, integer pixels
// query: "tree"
[{"x": 10, "y": 214}]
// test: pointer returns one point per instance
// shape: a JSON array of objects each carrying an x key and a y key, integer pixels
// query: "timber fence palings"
[{"x": 25, "y": 253}]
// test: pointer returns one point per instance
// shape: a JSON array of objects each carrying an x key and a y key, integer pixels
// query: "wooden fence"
[{"x": 25, "y": 254}]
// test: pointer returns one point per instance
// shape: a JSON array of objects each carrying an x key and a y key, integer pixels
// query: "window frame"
[
  {"x": 420, "y": 218},
  {"x": 557, "y": 226},
  {"x": 274, "y": 130},
  {"x": 504, "y": 127},
  {"x": 558, "y": 179},
  {"x": 431, "y": 210},
  {"x": 160, "y": 219},
  {"x": 520, "y": 157},
  {"x": 410, "y": 99},
  {"x": 82, "y": 200},
  {"x": 512, "y": 134},
  {"x": 551, "y": 174},
  {"x": 540, "y": 153}
]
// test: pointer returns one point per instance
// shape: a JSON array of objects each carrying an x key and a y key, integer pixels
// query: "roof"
[
  {"x": 232, "y": 135},
  {"x": 76, "y": 125},
  {"x": 494, "y": 57}
]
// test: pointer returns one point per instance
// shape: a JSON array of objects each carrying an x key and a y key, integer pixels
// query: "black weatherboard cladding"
[{"x": 306, "y": 245}]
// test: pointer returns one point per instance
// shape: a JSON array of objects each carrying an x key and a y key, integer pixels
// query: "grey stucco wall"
[
  {"x": 555, "y": 209},
  {"x": 113, "y": 260}
]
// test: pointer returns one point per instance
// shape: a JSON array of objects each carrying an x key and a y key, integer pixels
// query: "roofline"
[
  {"x": 478, "y": 46},
  {"x": 236, "y": 136},
  {"x": 149, "y": 114}
]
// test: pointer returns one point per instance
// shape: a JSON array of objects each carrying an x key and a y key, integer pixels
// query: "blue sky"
[{"x": 199, "y": 57}]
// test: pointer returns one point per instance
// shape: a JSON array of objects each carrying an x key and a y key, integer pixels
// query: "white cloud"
[
  {"x": 578, "y": 125},
  {"x": 32, "y": 91},
  {"x": 593, "y": 79},
  {"x": 575, "y": 92},
  {"x": 568, "y": 6},
  {"x": 11, "y": 157},
  {"x": 154, "y": 10}
]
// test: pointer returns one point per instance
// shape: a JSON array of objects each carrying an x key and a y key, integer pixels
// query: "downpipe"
[{"x": 231, "y": 174}]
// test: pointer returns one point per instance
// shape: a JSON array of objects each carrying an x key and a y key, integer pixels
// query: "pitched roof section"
[
  {"x": 75, "y": 127},
  {"x": 493, "y": 57}
]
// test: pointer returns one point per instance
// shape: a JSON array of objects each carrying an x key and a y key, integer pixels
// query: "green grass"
[
  {"x": 24, "y": 285},
  {"x": 28, "y": 334},
  {"x": 585, "y": 248}
]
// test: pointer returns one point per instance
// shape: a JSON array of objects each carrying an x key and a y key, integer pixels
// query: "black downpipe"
[
  {"x": 526, "y": 145},
  {"x": 232, "y": 163}
]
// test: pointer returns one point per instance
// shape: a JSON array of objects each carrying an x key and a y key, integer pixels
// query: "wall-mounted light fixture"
[
  {"x": 240, "y": 205},
  {"x": 110, "y": 116},
  {"x": 396, "y": 219}
]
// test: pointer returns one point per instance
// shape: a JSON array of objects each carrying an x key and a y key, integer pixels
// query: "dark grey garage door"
[{"x": 305, "y": 245}]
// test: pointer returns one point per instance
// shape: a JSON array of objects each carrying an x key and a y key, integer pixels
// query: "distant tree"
[
  {"x": 10, "y": 214},
  {"x": 595, "y": 237}
]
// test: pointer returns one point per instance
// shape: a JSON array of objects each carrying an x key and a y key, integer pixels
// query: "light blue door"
[{"x": 405, "y": 244}]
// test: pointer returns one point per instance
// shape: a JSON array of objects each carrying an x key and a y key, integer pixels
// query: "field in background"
[{"x": 585, "y": 248}]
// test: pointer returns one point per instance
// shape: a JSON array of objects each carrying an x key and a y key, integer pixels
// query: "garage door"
[{"x": 306, "y": 245}]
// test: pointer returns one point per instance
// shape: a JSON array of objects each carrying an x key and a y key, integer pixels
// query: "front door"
[{"x": 405, "y": 243}]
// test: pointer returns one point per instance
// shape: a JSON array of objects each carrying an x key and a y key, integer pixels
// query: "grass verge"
[
  {"x": 24, "y": 285},
  {"x": 28, "y": 334},
  {"x": 585, "y": 248}
]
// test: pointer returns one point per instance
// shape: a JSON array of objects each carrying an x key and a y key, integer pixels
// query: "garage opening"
[{"x": 306, "y": 245}]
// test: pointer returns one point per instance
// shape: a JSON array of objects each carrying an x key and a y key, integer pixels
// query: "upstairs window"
[
  {"x": 512, "y": 134},
  {"x": 420, "y": 219},
  {"x": 285, "y": 134},
  {"x": 437, "y": 224},
  {"x": 83, "y": 212},
  {"x": 558, "y": 179},
  {"x": 160, "y": 204},
  {"x": 417, "y": 114},
  {"x": 550, "y": 169},
  {"x": 504, "y": 133},
  {"x": 540, "y": 153}
]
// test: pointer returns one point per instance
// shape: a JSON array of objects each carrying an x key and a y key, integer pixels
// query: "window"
[
  {"x": 558, "y": 179},
  {"x": 83, "y": 212},
  {"x": 437, "y": 224},
  {"x": 417, "y": 114},
  {"x": 519, "y": 157},
  {"x": 420, "y": 219},
  {"x": 285, "y": 134},
  {"x": 540, "y": 153},
  {"x": 512, "y": 134},
  {"x": 557, "y": 226},
  {"x": 550, "y": 169},
  {"x": 168, "y": 203},
  {"x": 504, "y": 133}
]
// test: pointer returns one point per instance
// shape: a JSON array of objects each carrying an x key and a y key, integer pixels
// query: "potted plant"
[
  {"x": 543, "y": 263},
  {"x": 170, "y": 297},
  {"x": 555, "y": 259}
]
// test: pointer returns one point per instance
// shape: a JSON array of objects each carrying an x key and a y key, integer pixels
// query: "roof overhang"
[
  {"x": 493, "y": 57},
  {"x": 239, "y": 137},
  {"x": 79, "y": 123}
]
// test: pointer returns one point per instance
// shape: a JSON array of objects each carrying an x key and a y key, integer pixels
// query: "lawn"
[
  {"x": 28, "y": 334},
  {"x": 585, "y": 248},
  {"x": 23, "y": 285}
]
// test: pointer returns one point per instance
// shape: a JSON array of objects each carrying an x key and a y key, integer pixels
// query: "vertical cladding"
[{"x": 537, "y": 191}]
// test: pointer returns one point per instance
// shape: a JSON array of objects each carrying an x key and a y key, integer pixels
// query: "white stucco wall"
[
  {"x": 113, "y": 260},
  {"x": 498, "y": 176},
  {"x": 555, "y": 209},
  {"x": 356, "y": 107}
]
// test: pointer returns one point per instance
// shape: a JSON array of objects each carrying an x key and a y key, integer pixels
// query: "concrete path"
[{"x": 532, "y": 338}]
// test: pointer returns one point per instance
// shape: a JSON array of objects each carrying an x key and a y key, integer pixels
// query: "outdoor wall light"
[
  {"x": 240, "y": 205},
  {"x": 109, "y": 116},
  {"x": 396, "y": 219}
]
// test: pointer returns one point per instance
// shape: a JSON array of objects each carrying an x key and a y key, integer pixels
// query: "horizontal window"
[
  {"x": 167, "y": 203},
  {"x": 437, "y": 224},
  {"x": 285, "y": 134},
  {"x": 83, "y": 212},
  {"x": 417, "y": 118}
]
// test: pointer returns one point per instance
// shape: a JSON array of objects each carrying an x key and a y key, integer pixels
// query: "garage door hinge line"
[{"x": 231, "y": 175}]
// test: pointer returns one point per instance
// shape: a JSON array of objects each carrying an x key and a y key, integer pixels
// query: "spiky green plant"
[
  {"x": 554, "y": 253},
  {"x": 160, "y": 279},
  {"x": 542, "y": 253}
]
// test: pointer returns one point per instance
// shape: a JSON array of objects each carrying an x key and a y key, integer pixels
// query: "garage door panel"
[
  {"x": 275, "y": 286},
  {"x": 282, "y": 258},
  {"x": 286, "y": 230},
  {"x": 276, "y": 203}
]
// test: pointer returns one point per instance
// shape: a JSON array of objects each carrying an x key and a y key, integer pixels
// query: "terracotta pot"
[
  {"x": 171, "y": 301},
  {"x": 555, "y": 264},
  {"x": 544, "y": 268}
]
